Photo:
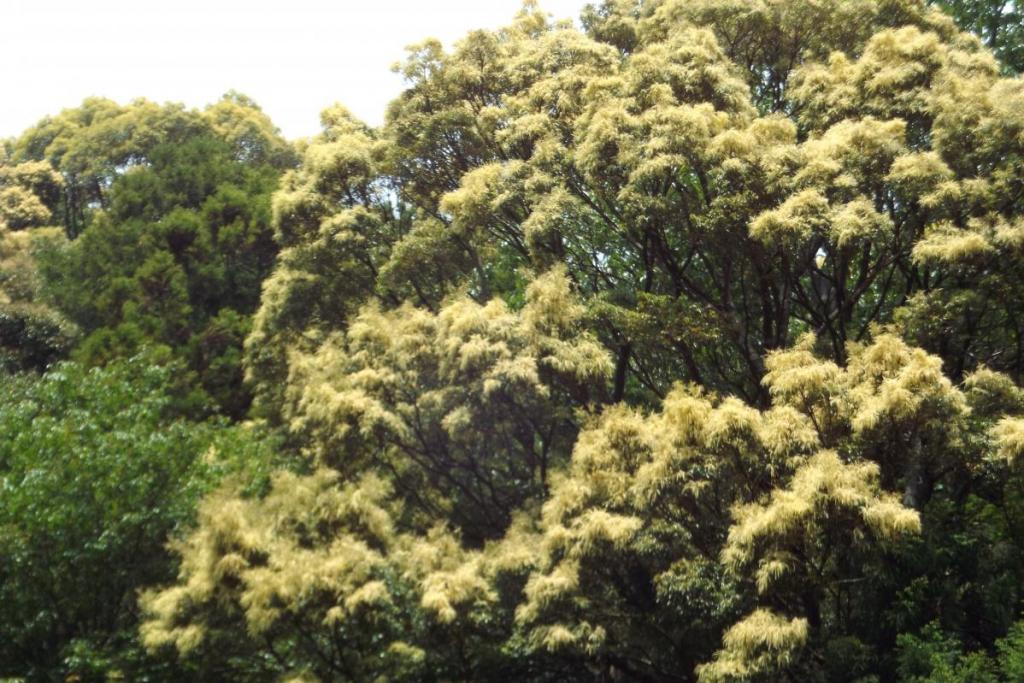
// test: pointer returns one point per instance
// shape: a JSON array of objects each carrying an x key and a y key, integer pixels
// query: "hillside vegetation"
[{"x": 686, "y": 344}]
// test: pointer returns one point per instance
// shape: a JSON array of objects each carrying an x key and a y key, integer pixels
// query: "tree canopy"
[
  {"x": 693, "y": 330},
  {"x": 169, "y": 214},
  {"x": 97, "y": 473},
  {"x": 683, "y": 344}
]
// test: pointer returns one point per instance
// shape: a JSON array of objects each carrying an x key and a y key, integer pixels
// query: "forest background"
[{"x": 686, "y": 345}]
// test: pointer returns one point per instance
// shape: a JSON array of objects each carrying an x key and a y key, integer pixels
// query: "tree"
[
  {"x": 28, "y": 192},
  {"x": 741, "y": 185},
  {"x": 32, "y": 333},
  {"x": 335, "y": 224},
  {"x": 999, "y": 24},
  {"x": 688, "y": 341},
  {"x": 465, "y": 409},
  {"x": 321, "y": 578},
  {"x": 94, "y": 144},
  {"x": 173, "y": 247},
  {"x": 98, "y": 474}
]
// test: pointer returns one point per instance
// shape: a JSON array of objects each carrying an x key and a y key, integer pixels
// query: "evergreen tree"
[{"x": 677, "y": 348}]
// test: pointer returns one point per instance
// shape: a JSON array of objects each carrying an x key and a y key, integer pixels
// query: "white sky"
[{"x": 294, "y": 57}]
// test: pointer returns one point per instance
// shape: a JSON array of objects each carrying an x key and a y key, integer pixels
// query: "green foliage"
[
  {"x": 999, "y": 24},
  {"x": 935, "y": 657},
  {"x": 94, "y": 144},
  {"x": 175, "y": 258},
  {"x": 97, "y": 475},
  {"x": 32, "y": 333},
  {"x": 683, "y": 347}
]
